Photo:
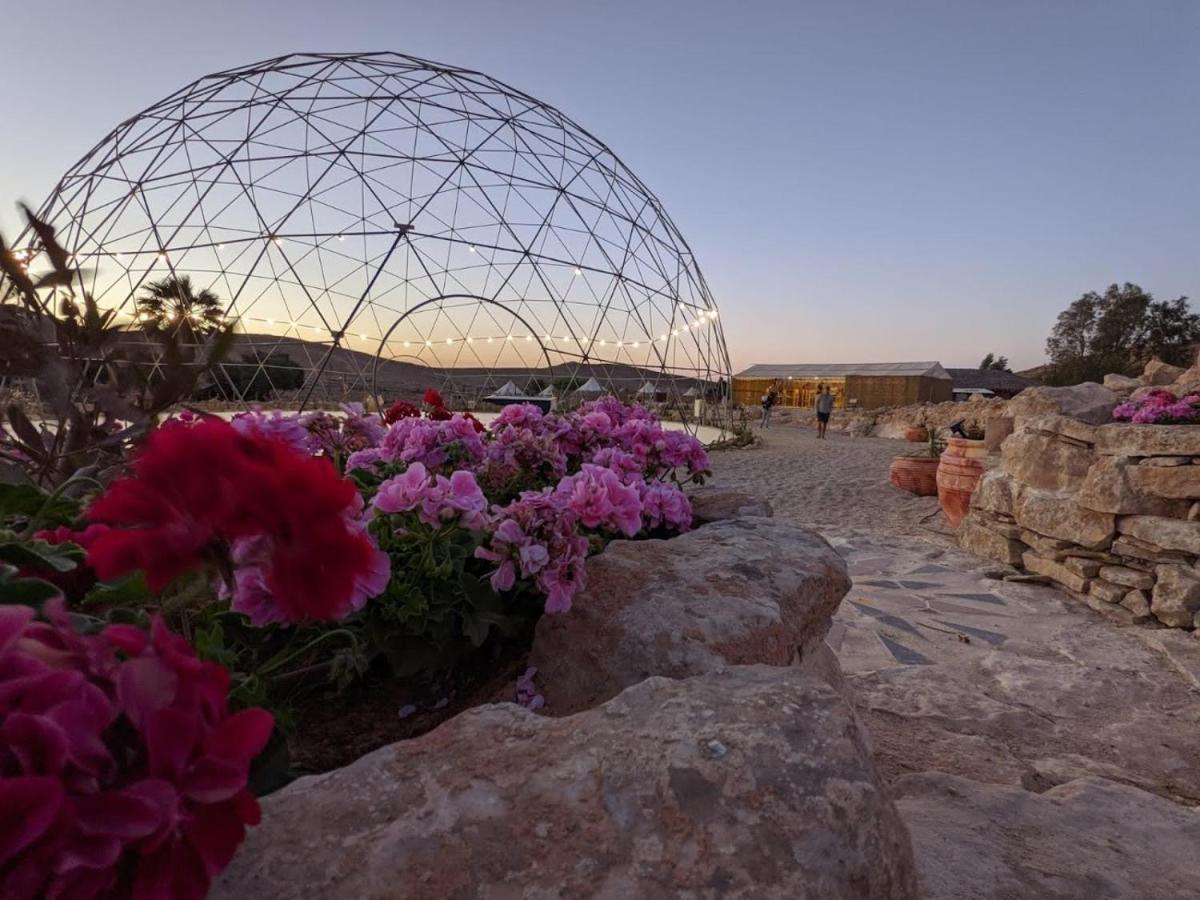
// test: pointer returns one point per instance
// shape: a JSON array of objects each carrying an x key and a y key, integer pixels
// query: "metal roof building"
[{"x": 857, "y": 385}]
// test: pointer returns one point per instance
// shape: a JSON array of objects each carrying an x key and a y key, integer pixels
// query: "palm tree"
[{"x": 170, "y": 304}]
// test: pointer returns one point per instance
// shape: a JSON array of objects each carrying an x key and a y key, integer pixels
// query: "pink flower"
[
  {"x": 276, "y": 425},
  {"x": 440, "y": 500},
  {"x": 119, "y": 757},
  {"x": 601, "y": 500},
  {"x": 665, "y": 506}
]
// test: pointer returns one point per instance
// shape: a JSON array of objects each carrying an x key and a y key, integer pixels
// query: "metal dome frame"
[{"x": 329, "y": 198}]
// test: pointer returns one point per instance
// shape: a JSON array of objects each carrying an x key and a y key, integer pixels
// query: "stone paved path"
[{"x": 997, "y": 683}]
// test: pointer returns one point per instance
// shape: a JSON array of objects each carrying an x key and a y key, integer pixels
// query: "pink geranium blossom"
[
  {"x": 602, "y": 500},
  {"x": 122, "y": 771}
]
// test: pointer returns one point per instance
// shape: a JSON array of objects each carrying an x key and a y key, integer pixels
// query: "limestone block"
[
  {"x": 1176, "y": 597},
  {"x": 1131, "y": 548},
  {"x": 1169, "y": 534},
  {"x": 1174, "y": 482},
  {"x": 1129, "y": 577},
  {"x": 1107, "y": 591},
  {"x": 1111, "y": 486},
  {"x": 994, "y": 493},
  {"x": 1043, "y": 461},
  {"x": 1138, "y": 603},
  {"x": 1059, "y": 516},
  {"x": 1159, "y": 374},
  {"x": 1121, "y": 384},
  {"x": 977, "y": 535},
  {"x": 1055, "y": 572},
  {"x": 1088, "y": 568},
  {"x": 1148, "y": 440}
]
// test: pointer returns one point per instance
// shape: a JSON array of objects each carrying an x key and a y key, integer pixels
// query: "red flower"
[
  {"x": 122, "y": 771},
  {"x": 199, "y": 489},
  {"x": 475, "y": 423},
  {"x": 401, "y": 409},
  {"x": 434, "y": 399}
]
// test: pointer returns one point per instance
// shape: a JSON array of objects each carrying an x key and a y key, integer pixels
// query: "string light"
[
  {"x": 471, "y": 249},
  {"x": 341, "y": 237}
]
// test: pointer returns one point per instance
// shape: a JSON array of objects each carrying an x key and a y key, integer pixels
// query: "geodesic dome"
[{"x": 390, "y": 223}]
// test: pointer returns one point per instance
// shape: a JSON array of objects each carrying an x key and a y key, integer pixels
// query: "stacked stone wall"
[{"x": 1110, "y": 513}]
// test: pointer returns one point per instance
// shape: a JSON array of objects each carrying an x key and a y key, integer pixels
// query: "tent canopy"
[{"x": 591, "y": 386}]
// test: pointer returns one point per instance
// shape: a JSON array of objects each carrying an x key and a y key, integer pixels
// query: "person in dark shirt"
[{"x": 824, "y": 408}]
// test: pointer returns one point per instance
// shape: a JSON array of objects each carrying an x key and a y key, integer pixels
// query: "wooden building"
[{"x": 854, "y": 385}]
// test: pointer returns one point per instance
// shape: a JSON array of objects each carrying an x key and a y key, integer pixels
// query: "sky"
[{"x": 859, "y": 181}]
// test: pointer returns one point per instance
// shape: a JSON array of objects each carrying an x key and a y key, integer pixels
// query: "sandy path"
[{"x": 838, "y": 485}]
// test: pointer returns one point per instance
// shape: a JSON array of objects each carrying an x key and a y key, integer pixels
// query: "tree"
[
  {"x": 172, "y": 305},
  {"x": 1119, "y": 332},
  {"x": 994, "y": 363}
]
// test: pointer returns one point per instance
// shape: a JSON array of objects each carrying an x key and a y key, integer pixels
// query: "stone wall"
[{"x": 1110, "y": 513}]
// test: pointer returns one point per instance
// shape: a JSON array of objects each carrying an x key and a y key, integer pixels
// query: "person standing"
[
  {"x": 824, "y": 409},
  {"x": 768, "y": 401}
]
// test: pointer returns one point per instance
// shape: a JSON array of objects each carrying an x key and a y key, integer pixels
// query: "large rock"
[
  {"x": 1064, "y": 427},
  {"x": 1113, "y": 485},
  {"x": 1121, "y": 384},
  {"x": 1176, "y": 597},
  {"x": 1148, "y": 440},
  {"x": 976, "y": 536},
  {"x": 1043, "y": 461},
  {"x": 1090, "y": 837},
  {"x": 1168, "y": 534},
  {"x": 735, "y": 592},
  {"x": 714, "y": 503},
  {"x": 994, "y": 493},
  {"x": 1089, "y": 402},
  {"x": 756, "y": 782},
  {"x": 1160, "y": 374},
  {"x": 1057, "y": 515}
]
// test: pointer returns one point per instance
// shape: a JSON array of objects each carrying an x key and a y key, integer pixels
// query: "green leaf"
[
  {"x": 40, "y": 555},
  {"x": 25, "y": 591},
  {"x": 128, "y": 591}
]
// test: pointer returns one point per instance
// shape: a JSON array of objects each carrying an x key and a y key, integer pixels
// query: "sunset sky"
[{"x": 859, "y": 181}]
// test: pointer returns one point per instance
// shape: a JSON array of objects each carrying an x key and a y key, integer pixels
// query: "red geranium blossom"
[
  {"x": 122, "y": 771},
  {"x": 401, "y": 409},
  {"x": 437, "y": 406},
  {"x": 196, "y": 490}
]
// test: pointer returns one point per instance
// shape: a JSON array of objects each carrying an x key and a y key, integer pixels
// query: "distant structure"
[
  {"x": 391, "y": 222},
  {"x": 857, "y": 385},
  {"x": 987, "y": 383}
]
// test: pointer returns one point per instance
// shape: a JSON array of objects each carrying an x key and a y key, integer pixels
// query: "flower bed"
[{"x": 335, "y": 569}]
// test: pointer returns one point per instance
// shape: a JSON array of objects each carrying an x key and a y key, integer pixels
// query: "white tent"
[
  {"x": 547, "y": 391},
  {"x": 647, "y": 390},
  {"x": 691, "y": 392},
  {"x": 591, "y": 386},
  {"x": 509, "y": 390}
]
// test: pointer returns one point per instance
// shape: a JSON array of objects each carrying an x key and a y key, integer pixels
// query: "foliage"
[
  {"x": 1160, "y": 407},
  {"x": 171, "y": 305},
  {"x": 994, "y": 363},
  {"x": 1118, "y": 332},
  {"x": 99, "y": 389}
]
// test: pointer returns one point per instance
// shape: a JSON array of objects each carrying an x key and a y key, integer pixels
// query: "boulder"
[
  {"x": 1056, "y": 572},
  {"x": 713, "y": 503},
  {"x": 1088, "y": 568},
  {"x": 1176, "y": 597},
  {"x": 735, "y": 592},
  {"x": 1113, "y": 485},
  {"x": 1169, "y": 534},
  {"x": 1121, "y": 384},
  {"x": 1148, "y": 440},
  {"x": 975, "y": 535},
  {"x": 1173, "y": 482},
  {"x": 1160, "y": 374},
  {"x": 1089, "y": 402},
  {"x": 1090, "y": 837},
  {"x": 1059, "y": 516},
  {"x": 994, "y": 493},
  {"x": 755, "y": 782},
  {"x": 1043, "y": 461},
  {"x": 996, "y": 432},
  {"x": 1050, "y": 548}
]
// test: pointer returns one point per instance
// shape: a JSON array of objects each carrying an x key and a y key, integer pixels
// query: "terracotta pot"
[
  {"x": 958, "y": 474},
  {"x": 915, "y": 474},
  {"x": 916, "y": 434}
]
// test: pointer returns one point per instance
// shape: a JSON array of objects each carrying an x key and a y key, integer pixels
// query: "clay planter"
[
  {"x": 916, "y": 434},
  {"x": 958, "y": 473},
  {"x": 915, "y": 474}
]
